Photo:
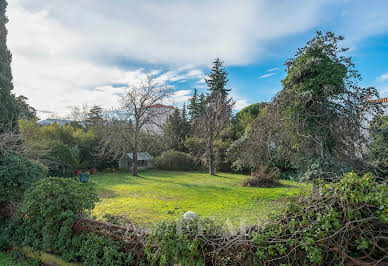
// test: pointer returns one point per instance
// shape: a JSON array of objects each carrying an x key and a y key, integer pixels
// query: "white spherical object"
[{"x": 189, "y": 215}]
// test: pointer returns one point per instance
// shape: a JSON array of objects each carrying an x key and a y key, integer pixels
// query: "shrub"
[
  {"x": 49, "y": 208},
  {"x": 16, "y": 175},
  {"x": 175, "y": 160},
  {"x": 344, "y": 223},
  {"x": 181, "y": 242},
  {"x": 264, "y": 177}
]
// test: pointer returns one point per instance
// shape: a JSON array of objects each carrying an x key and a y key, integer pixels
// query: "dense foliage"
[
  {"x": 65, "y": 148},
  {"x": 175, "y": 160},
  {"x": 182, "y": 242},
  {"x": 347, "y": 222},
  {"x": 48, "y": 211},
  {"x": 16, "y": 175},
  {"x": 244, "y": 118},
  {"x": 176, "y": 130},
  {"x": 314, "y": 123},
  {"x": 8, "y": 106},
  {"x": 26, "y": 111}
]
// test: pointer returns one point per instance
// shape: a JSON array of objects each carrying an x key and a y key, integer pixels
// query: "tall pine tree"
[
  {"x": 217, "y": 79},
  {"x": 193, "y": 106},
  {"x": 94, "y": 116},
  {"x": 8, "y": 105}
]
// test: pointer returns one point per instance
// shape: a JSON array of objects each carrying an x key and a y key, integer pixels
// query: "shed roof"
[
  {"x": 382, "y": 100},
  {"x": 141, "y": 156}
]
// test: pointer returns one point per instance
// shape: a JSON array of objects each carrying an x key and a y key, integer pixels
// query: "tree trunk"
[
  {"x": 134, "y": 160},
  {"x": 211, "y": 159}
]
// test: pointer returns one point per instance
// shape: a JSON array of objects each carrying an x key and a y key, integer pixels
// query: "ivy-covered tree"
[
  {"x": 244, "y": 118},
  {"x": 218, "y": 78},
  {"x": 314, "y": 124},
  {"x": 8, "y": 106}
]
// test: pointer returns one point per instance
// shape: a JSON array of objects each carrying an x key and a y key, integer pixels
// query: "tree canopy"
[{"x": 8, "y": 106}]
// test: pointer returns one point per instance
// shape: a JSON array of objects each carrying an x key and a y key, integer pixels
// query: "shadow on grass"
[{"x": 191, "y": 186}]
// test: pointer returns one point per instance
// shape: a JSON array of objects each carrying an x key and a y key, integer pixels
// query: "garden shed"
[{"x": 144, "y": 160}]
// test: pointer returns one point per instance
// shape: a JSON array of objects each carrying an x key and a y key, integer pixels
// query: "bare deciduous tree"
[
  {"x": 80, "y": 114},
  {"x": 214, "y": 117},
  {"x": 140, "y": 109}
]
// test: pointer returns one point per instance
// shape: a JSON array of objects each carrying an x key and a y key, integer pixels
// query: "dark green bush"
[
  {"x": 16, "y": 175},
  {"x": 49, "y": 208},
  {"x": 175, "y": 160}
]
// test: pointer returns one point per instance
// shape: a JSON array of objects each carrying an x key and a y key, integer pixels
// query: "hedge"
[{"x": 175, "y": 160}]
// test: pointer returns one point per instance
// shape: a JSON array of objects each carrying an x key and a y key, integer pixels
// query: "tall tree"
[
  {"x": 315, "y": 122},
  {"x": 94, "y": 116},
  {"x": 26, "y": 111},
  {"x": 176, "y": 129},
  {"x": 193, "y": 105},
  {"x": 218, "y": 78},
  {"x": 214, "y": 117},
  {"x": 8, "y": 106},
  {"x": 140, "y": 107}
]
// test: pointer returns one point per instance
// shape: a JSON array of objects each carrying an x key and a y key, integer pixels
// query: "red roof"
[
  {"x": 382, "y": 100},
  {"x": 161, "y": 106}
]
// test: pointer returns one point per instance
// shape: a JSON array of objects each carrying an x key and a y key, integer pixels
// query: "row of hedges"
[
  {"x": 175, "y": 160},
  {"x": 344, "y": 223}
]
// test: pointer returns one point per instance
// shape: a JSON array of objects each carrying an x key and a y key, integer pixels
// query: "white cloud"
[
  {"x": 267, "y": 75},
  {"x": 383, "y": 77},
  {"x": 240, "y": 104},
  {"x": 181, "y": 96},
  {"x": 65, "y": 52},
  {"x": 177, "y": 32},
  {"x": 272, "y": 69}
]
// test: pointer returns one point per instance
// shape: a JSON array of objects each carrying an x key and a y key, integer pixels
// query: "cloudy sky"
[{"x": 75, "y": 52}]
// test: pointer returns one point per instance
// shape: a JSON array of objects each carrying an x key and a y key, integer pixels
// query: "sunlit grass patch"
[{"x": 166, "y": 195}]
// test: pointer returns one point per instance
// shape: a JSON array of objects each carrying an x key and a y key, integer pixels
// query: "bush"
[
  {"x": 175, "y": 160},
  {"x": 264, "y": 177},
  {"x": 344, "y": 223},
  {"x": 181, "y": 242},
  {"x": 16, "y": 175},
  {"x": 49, "y": 208}
]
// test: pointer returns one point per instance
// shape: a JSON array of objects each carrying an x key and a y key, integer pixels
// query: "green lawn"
[
  {"x": 5, "y": 260},
  {"x": 165, "y": 195}
]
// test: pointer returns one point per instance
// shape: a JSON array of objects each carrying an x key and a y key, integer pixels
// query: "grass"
[
  {"x": 166, "y": 195},
  {"x": 6, "y": 260}
]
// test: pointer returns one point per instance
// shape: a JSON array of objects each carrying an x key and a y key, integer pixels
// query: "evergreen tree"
[
  {"x": 201, "y": 103},
  {"x": 185, "y": 125},
  {"x": 176, "y": 129},
  {"x": 217, "y": 79},
  {"x": 193, "y": 106},
  {"x": 26, "y": 111},
  {"x": 8, "y": 105},
  {"x": 94, "y": 116}
]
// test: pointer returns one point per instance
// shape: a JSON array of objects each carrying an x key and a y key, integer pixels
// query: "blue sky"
[{"x": 68, "y": 53}]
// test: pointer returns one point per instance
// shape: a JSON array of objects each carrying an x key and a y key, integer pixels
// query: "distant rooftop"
[{"x": 382, "y": 100}]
